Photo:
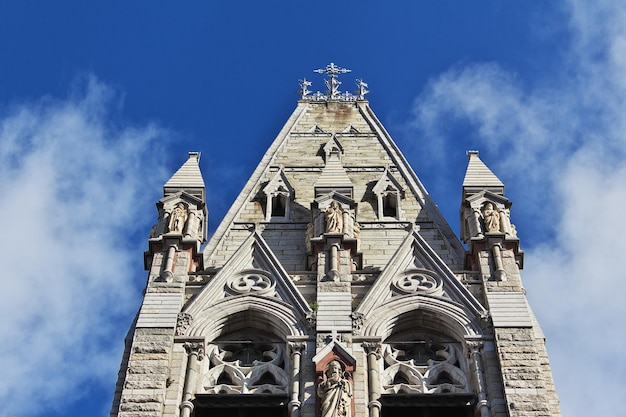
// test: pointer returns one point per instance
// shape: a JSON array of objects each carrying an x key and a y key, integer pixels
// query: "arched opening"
[
  {"x": 424, "y": 370},
  {"x": 390, "y": 204},
  {"x": 246, "y": 372},
  {"x": 279, "y": 205}
]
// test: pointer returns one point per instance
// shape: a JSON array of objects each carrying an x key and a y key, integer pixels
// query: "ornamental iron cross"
[{"x": 333, "y": 83}]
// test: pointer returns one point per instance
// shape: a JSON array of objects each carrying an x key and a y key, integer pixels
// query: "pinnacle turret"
[
  {"x": 479, "y": 177},
  {"x": 188, "y": 178}
]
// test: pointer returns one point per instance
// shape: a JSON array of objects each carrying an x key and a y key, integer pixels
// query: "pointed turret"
[
  {"x": 188, "y": 178},
  {"x": 181, "y": 225},
  {"x": 494, "y": 253},
  {"x": 479, "y": 177},
  {"x": 484, "y": 209}
]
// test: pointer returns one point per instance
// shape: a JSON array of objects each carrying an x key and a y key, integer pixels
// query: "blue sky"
[{"x": 101, "y": 101}]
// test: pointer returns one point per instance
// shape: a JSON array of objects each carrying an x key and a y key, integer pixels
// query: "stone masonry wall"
[
  {"x": 148, "y": 370},
  {"x": 522, "y": 373}
]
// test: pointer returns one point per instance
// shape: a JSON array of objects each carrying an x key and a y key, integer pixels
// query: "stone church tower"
[{"x": 334, "y": 288}]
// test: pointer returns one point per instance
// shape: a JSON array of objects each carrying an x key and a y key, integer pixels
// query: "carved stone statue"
[
  {"x": 335, "y": 392},
  {"x": 334, "y": 218},
  {"x": 491, "y": 218},
  {"x": 178, "y": 218}
]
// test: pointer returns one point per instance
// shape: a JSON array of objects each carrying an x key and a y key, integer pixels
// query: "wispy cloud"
[
  {"x": 561, "y": 144},
  {"x": 76, "y": 183}
]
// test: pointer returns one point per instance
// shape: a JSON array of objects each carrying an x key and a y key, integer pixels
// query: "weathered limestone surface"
[{"x": 143, "y": 391}]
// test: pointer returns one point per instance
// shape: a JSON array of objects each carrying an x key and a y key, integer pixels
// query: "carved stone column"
[
  {"x": 373, "y": 377},
  {"x": 474, "y": 223},
  {"x": 296, "y": 349},
  {"x": 333, "y": 272},
  {"x": 168, "y": 269},
  {"x": 505, "y": 221},
  {"x": 195, "y": 353},
  {"x": 479, "y": 377},
  {"x": 496, "y": 250},
  {"x": 191, "y": 227}
]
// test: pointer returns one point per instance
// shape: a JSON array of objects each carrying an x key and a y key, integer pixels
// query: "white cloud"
[
  {"x": 73, "y": 189},
  {"x": 560, "y": 145}
]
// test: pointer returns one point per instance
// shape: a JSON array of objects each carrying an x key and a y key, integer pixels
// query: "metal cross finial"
[
  {"x": 304, "y": 91},
  {"x": 332, "y": 70},
  {"x": 362, "y": 89},
  {"x": 332, "y": 83}
]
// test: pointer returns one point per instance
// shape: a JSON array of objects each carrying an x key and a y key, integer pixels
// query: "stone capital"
[
  {"x": 195, "y": 348},
  {"x": 372, "y": 348},
  {"x": 296, "y": 347}
]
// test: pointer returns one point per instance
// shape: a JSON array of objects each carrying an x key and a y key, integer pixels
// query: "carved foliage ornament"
[
  {"x": 183, "y": 321},
  {"x": 358, "y": 319}
]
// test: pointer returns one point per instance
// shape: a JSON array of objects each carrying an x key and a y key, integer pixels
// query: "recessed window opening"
[
  {"x": 279, "y": 205},
  {"x": 390, "y": 205}
]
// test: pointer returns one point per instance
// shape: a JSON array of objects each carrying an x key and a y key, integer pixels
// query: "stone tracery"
[
  {"x": 423, "y": 367},
  {"x": 246, "y": 368}
]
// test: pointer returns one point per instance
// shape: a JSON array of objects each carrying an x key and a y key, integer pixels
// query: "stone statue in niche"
[
  {"x": 334, "y": 218},
  {"x": 491, "y": 218},
  {"x": 335, "y": 392},
  {"x": 178, "y": 218}
]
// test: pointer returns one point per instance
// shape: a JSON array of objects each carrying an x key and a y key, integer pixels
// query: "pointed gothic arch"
[
  {"x": 278, "y": 197},
  {"x": 233, "y": 313},
  {"x": 388, "y": 193},
  {"x": 418, "y": 310}
]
